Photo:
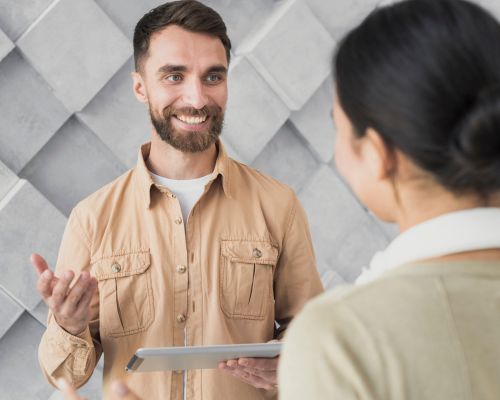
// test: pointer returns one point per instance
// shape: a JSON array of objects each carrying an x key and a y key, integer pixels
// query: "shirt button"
[
  {"x": 116, "y": 267},
  {"x": 181, "y": 269},
  {"x": 181, "y": 318},
  {"x": 257, "y": 253},
  {"x": 178, "y": 221}
]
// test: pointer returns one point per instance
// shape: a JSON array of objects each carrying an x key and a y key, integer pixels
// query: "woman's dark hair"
[
  {"x": 188, "y": 14},
  {"x": 425, "y": 74}
]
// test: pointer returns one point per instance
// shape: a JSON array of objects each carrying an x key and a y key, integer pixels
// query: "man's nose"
[{"x": 194, "y": 94}]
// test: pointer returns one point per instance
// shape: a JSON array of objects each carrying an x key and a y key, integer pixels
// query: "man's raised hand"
[{"x": 69, "y": 305}]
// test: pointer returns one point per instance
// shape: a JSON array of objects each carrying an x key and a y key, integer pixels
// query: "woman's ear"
[
  {"x": 139, "y": 88},
  {"x": 378, "y": 155}
]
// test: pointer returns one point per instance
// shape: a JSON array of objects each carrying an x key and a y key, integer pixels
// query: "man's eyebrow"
[
  {"x": 217, "y": 68},
  {"x": 169, "y": 68}
]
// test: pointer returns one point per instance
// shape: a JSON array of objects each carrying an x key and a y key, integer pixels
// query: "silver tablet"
[{"x": 196, "y": 357}]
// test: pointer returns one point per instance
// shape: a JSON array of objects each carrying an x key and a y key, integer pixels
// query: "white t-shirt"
[{"x": 187, "y": 191}]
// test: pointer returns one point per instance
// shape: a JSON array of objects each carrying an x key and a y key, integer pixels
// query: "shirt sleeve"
[
  {"x": 61, "y": 354},
  {"x": 329, "y": 354},
  {"x": 296, "y": 279}
]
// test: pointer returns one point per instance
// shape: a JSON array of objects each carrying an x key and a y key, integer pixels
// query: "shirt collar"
[
  {"x": 455, "y": 232},
  {"x": 146, "y": 183}
]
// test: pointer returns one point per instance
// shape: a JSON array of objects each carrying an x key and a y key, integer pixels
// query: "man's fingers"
[
  {"x": 60, "y": 290},
  {"x": 39, "y": 263},
  {"x": 261, "y": 364},
  {"x": 83, "y": 305},
  {"x": 254, "y": 380},
  {"x": 44, "y": 284},
  {"x": 269, "y": 377},
  {"x": 75, "y": 294},
  {"x": 120, "y": 391},
  {"x": 68, "y": 390}
]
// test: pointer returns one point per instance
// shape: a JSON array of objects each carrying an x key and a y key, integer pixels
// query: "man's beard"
[{"x": 185, "y": 140}]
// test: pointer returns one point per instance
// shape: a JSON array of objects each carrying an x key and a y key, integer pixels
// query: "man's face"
[{"x": 184, "y": 80}]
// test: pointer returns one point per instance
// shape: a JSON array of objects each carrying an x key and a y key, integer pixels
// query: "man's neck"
[{"x": 171, "y": 163}]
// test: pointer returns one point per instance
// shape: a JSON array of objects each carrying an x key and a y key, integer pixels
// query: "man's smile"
[{"x": 189, "y": 122}]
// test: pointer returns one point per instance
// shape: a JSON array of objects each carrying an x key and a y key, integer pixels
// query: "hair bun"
[{"x": 475, "y": 149}]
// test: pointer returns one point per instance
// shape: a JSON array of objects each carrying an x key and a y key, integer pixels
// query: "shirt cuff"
[{"x": 64, "y": 344}]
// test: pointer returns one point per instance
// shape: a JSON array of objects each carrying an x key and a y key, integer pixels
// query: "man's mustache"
[{"x": 206, "y": 111}]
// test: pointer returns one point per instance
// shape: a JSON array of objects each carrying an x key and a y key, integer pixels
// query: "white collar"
[{"x": 465, "y": 230}]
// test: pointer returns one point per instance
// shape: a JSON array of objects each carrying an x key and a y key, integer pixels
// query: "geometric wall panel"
[
  {"x": 254, "y": 112},
  {"x": 29, "y": 224},
  {"x": 314, "y": 121},
  {"x": 20, "y": 377},
  {"x": 7, "y": 180},
  {"x": 118, "y": 118},
  {"x": 72, "y": 165},
  {"x": 17, "y": 15},
  {"x": 243, "y": 17},
  {"x": 5, "y": 45},
  {"x": 286, "y": 149},
  {"x": 341, "y": 15},
  {"x": 74, "y": 60},
  {"x": 29, "y": 112},
  {"x": 345, "y": 236},
  {"x": 294, "y": 67},
  {"x": 126, "y": 16},
  {"x": 10, "y": 311}
]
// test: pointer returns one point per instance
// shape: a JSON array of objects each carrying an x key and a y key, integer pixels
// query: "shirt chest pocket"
[
  {"x": 125, "y": 293},
  {"x": 246, "y": 278}
]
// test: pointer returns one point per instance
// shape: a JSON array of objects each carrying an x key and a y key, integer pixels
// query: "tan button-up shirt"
[{"x": 243, "y": 261}]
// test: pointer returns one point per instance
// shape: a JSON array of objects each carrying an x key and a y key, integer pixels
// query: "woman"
[{"x": 417, "y": 112}]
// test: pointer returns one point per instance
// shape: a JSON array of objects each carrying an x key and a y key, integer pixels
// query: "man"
[{"x": 187, "y": 248}]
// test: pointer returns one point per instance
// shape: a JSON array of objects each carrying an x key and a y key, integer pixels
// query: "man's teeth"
[{"x": 192, "y": 120}]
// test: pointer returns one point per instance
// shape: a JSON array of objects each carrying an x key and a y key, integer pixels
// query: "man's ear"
[
  {"x": 139, "y": 88},
  {"x": 379, "y": 156}
]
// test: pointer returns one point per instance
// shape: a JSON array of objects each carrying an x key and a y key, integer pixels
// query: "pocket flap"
[
  {"x": 119, "y": 265},
  {"x": 251, "y": 252}
]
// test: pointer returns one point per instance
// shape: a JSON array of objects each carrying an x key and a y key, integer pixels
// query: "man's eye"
[
  {"x": 213, "y": 78},
  {"x": 174, "y": 78}
]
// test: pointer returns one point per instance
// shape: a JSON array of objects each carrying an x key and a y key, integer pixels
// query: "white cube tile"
[
  {"x": 315, "y": 124},
  {"x": 287, "y": 159},
  {"x": 73, "y": 164},
  {"x": 254, "y": 112},
  {"x": 76, "y": 61},
  {"x": 292, "y": 52},
  {"x": 5, "y": 45},
  {"x": 345, "y": 236},
  {"x": 118, "y": 118},
  {"x": 30, "y": 113},
  {"x": 29, "y": 224},
  {"x": 10, "y": 311},
  {"x": 17, "y": 15},
  {"x": 20, "y": 374}
]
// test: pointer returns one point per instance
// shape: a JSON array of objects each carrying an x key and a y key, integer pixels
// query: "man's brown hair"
[{"x": 190, "y": 15}]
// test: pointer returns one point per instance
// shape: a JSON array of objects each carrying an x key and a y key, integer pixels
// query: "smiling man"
[{"x": 189, "y": 247}]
